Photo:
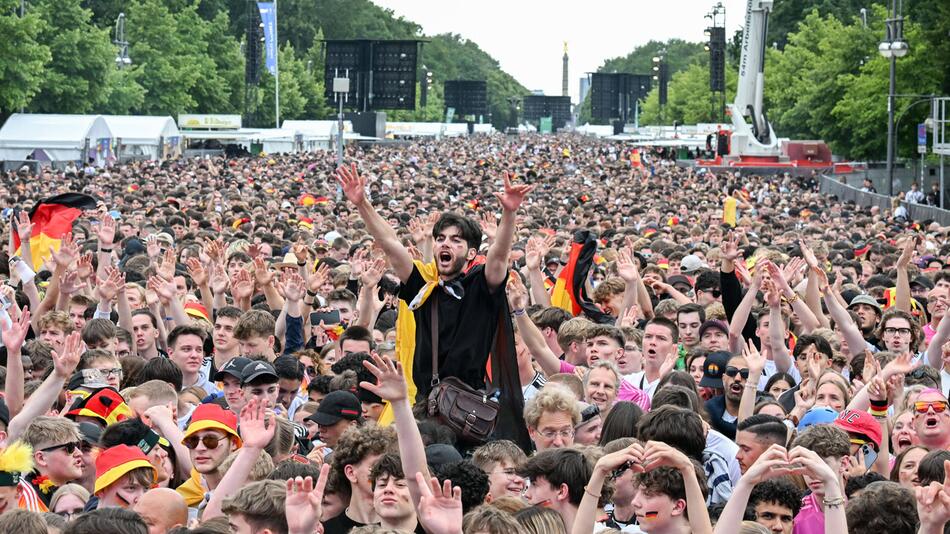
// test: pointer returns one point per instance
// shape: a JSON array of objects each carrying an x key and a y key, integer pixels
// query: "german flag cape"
[
  {"x": 53, "y": 218},
  {"x": 570, "y": 290},
  {"x": 502, "y": 363}
]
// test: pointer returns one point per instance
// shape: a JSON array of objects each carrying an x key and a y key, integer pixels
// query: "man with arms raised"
[{"x": 469, "y": 303}]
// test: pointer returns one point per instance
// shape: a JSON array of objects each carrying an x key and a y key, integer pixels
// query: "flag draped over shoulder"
[
  {"x": 53, "y": 218},
  {"x": 502, "y": 367},
  {"x": 570, "y": 290}
]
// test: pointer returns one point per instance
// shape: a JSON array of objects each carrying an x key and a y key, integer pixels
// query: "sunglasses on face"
[
  {"x": 209, "y": 441},
  {"x": 731, "y": 372},
  {"x": 925, "y": 406},
  {"x": 69, "y": 448}
]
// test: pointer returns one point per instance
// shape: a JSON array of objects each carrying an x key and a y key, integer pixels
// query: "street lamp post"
[
  {"x": 122, "y": 56},
  {"x": 892, "y": 47}
]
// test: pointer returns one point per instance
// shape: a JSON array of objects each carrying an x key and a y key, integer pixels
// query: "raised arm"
[
  {"x": 935, "y": 349},
  {"x": 24, "y": 229},
  {"x": 14, "y": 333},
  {"x": 496, "y": 264},
  {"x": 533, "y": 338},
  {"x": 391, "y": 386},
  {"x": 354, "y": 187},
  {"x": 368, "y": 303},
  {"x": 756, "y": 361},
  {"x": 534, "y": 255},
  {"x": 658, "y": 454},
  {"x": 737, "y": 326},
  {"x": 780, "y": 354},
  {"x": 40, "y": 402},
  {"x": 849, "y": 331},
  {"x": 608, "y": 463},
  {"x": 902, "y": 291},
  {"x": 257, "y": 429},
  {"x": 805, "y": 315}
]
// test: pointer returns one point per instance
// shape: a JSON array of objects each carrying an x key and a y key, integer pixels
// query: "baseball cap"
[
  {"x": 865, "y": 299},
  {"x": 678, "y": 279},
  {"x": 923, "y": 282},
  {"x": 861, "y": 423},
  {"x": 691, "y": 263},
  {"x": 713, "y": 323},
  {"x": 114, "y": 462},
  {"x": 233, "y": 367},
  {"x": 713, "y": 368},
  {"x": 213, "y": 416},
  {"x": 90, "y": 432},
  {"x": 819, "y": 415},
  {"x": 337, "y": 405},
  {"x": 257, "y": 369}
]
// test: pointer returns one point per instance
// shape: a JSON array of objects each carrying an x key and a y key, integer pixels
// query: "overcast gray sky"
[{"x": 526, "y": 36}]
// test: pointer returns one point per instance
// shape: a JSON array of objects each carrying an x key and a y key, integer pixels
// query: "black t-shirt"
[
  {"x": 340, "y": 524},
  {"x": 466, "y": 329}
]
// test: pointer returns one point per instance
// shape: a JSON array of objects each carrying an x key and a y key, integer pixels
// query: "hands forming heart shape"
[
  {"x": 641, "y": 458},
  {"x": 777, "y": 462}
]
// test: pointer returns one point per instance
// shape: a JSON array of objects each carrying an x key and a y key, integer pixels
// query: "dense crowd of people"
[{"x": 492, "y": 335}]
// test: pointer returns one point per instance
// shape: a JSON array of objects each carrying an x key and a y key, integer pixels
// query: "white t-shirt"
[{"x": 639, "y": 380}]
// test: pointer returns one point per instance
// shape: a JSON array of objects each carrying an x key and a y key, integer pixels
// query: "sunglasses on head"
[
  {"x": 925, "y": 406},
  {"x": 209, "y": 441},
  {"x": 733, "y": 371}
]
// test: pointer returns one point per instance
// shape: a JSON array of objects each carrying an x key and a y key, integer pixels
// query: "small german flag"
[
  {"x": 53, "y": 218},
  {"x": 570, "y": 292}
]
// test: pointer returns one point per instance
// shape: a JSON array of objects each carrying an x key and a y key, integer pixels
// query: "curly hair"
[
  {"x": 892, "y": 313},
  {"x": 551, "y": 399},
  {"x": 356, "y": 443},
  {"x": 468, "y": 476},
  {"x": 780, "y": 491},
  {"x": 828, "y": 441},
  {"x": 883, "y": 507}
]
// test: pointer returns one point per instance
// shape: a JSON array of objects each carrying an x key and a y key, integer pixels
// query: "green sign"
[
  {"x": 546, "y": 125},
  {"x": 449, "y": 113}
]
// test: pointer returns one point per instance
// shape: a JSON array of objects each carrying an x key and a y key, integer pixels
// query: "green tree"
[
  {"x": 22, "y": 56},
  {"x": 786, "y": 16},
  {"x": 74, "y": 81},
  {"x": 123, "y": 94},
  {"x": 220, "y": 63},
  {"x": 689, "y": 100},
  {"x": 163, "y": 58},
  {"x": 293, "y": 76},
  {"x": 862, "y": 109}
]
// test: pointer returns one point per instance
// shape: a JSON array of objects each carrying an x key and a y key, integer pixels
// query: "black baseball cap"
[
  {"x": 234, "y": 367},
  {"x": 337, "y": 405},
  {"x": 256, "y": 370},
  {"x": 713, "y": 368}
]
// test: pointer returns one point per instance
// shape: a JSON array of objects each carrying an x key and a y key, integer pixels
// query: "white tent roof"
[
  {"x": 27, "y": 130},
  {"x": 317, "y": 128},
  {"x": 141, "y": 130}
]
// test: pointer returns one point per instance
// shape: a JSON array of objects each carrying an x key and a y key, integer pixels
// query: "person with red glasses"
[
  {"x": 211, "y": 436},
  {"x": 932, "y": 420}
]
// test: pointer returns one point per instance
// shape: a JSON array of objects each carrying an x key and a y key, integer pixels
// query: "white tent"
[
  {"x": 56, "y": 138},
  {"x": 144, "y": 136}
]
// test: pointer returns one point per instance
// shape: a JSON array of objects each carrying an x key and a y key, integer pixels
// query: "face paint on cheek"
[{"x": 651, "y": 516}]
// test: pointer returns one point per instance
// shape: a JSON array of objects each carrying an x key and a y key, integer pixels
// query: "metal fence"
[{"x": 832, "y": 185}]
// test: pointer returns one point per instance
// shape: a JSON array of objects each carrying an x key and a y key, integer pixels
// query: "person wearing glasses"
[
  {"x": 210, "y": 437},
  {"x": 69, "y": 501},
  {"x": 932, "y": 420},
  {"x": 724, "y": 409},
  {"x": 106, "y": 363},
  {"x": 551, "y": 417},
  {"x": 57, "y": 460}
]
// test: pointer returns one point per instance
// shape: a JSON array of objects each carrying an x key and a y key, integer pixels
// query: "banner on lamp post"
[{"x": 269, "y": 20}]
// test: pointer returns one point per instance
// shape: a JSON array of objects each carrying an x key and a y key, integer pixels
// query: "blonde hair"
[
  {"x": 551, "y": 399},
  {"x": 69, "y": 489},
  {"x": 46, "y": 429}
]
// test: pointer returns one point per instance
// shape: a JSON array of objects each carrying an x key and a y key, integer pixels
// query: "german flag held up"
[{"x": 53, "y": 218}]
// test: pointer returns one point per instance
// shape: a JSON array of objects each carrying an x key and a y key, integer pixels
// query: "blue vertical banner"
[{"x": 269, "y": 20}]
